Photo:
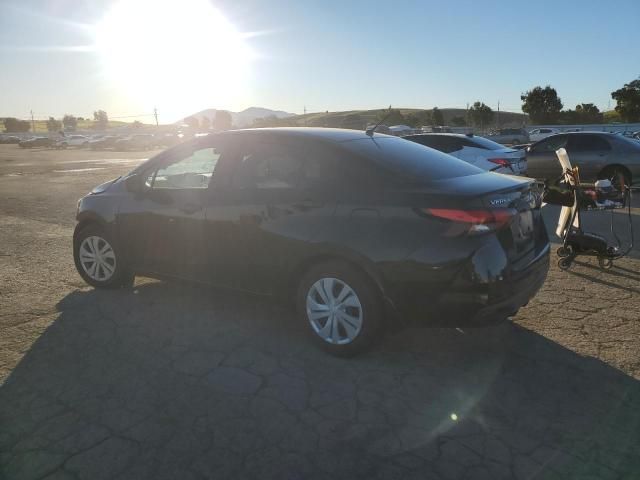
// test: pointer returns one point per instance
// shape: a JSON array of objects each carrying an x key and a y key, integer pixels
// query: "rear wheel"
[
  {"x": 98, "y": 259},
  {"x": 341, "y": 307}
]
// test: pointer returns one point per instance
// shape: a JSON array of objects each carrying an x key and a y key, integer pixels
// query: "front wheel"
[
  {"x": 98, "y": 259},
  {"x": 341, "y": 307}
]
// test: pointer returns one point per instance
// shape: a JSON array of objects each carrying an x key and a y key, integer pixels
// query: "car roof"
[{"x": 326, "y": 134}]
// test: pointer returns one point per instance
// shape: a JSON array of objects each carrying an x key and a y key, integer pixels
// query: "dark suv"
[{"x": 356, "y": 230}]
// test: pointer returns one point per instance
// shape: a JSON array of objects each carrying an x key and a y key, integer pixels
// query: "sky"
[{"x": 181, "y": 56}]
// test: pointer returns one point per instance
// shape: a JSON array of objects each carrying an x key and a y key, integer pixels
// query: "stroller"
[{"x": 575, "y": 197}]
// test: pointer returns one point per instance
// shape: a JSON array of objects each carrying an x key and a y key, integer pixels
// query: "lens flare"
[{"x": 181, "y": 56}]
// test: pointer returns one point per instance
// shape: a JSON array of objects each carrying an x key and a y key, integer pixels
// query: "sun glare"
[{"x": 178, "y": 55}]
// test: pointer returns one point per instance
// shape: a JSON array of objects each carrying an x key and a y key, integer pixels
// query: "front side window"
[{"x": 192, "y": 171}]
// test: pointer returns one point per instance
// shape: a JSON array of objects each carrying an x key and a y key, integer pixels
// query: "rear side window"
[
  {"x": 587, "y": 143},
  {"x": 409, "y": 159},
  {"x": 444, "y": 143},
  {"x": 484, "y": 143},
  {"x": 267, "y": 166}
]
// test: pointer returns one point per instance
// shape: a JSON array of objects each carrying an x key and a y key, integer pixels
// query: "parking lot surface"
[{"x": 175, "y": 381}]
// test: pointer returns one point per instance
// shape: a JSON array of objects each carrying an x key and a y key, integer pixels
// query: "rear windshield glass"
[
  {"x": 485, "y": 143},
  {"x": 629, "y": 142},
  {"x": 410, "y": 159}
]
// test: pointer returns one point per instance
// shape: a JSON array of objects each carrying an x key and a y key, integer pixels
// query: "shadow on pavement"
[{"x": 170, "y": 381}]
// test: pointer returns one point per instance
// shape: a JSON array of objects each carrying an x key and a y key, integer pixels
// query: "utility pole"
[
  {"x": 468, "y": 115},
  {"x": 498, "y": 115},
  {"x": 155, "y": 114},
  {"x": 33, "y": 124}
]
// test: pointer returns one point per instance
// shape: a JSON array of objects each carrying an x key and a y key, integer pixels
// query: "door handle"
[{"x": 190, "y": 208}]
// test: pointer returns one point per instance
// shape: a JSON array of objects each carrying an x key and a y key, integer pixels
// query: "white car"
[
  {"x": 73, "y": 141},
  {"x": 479, "y": 151},
  {"x": 540, "y": 133}
]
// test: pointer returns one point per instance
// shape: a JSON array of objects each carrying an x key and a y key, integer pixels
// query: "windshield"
[{"x": 410, "y": 159}]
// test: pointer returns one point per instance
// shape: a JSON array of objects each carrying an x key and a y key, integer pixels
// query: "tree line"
[
  {"x": 68, "y": 122},
  {"x": 544, "y": 106}
]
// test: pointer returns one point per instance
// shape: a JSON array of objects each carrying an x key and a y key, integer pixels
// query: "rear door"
[
  {"x": 273, "y": 207},
  {"x": 589, "y": 152}
]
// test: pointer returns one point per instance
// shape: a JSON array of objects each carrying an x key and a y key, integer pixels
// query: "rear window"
[
  {"x": 484, "y": 143},
  {"x": 410, "y": 159}
]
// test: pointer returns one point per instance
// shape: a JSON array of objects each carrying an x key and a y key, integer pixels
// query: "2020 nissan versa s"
[{"x": 359, "y": 230}]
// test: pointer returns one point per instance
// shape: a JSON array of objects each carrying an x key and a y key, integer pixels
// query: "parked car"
[
  {"x": 625, "y": 133},
  {"x": 540, "y": 133},
  {"x": 380, "y": 129},
  {"x": 140, "y": 141},
  {"x": 479, "y": 151},
  {"x": 511, "y": 136},
  {"x": 79, "y": 141},
  {"x": 358, "y": 231},
  {"x": 8, "y": 139},
  {"x": 597, "y": 154},
  {"x": 103, "y": 143},
  {"x": 168, "y": 140},
  {"x": 37, "y": 142}
]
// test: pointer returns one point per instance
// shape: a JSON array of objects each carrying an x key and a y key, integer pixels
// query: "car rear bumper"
[{"x": 472, "y": 297}]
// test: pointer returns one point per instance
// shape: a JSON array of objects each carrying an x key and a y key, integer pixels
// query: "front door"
[
  {"x": 589, "y": 152},
  {"x": 542, "y": 161},
  {"x": 164, "y": 222}
]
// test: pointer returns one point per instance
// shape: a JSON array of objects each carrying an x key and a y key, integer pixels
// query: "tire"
[
  {"x": 355, "y": 323},
  {"x": 605, "y": 263},
  {"x": 616, "y": 175},
  {"x": 111, "y": 270},
  {"x": 565, "y": 263}
]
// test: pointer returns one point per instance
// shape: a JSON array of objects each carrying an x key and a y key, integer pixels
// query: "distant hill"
[
  {"x": 336, "y": 119},
  {"x": 246, "y": 117}
]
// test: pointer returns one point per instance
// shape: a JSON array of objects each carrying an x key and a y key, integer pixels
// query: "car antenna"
[{"x": 371, "y": 130}]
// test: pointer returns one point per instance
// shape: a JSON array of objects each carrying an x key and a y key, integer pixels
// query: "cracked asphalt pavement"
[{"x": 175, "y": 381}]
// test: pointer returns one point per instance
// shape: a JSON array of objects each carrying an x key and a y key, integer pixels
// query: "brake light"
[
  {"x": 503, "y": 162},
  {"x": 475, "y": 221}
]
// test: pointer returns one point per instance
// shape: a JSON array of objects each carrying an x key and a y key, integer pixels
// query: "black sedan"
[
  {"x": 37, "y": 142},
  {"x": 358, "y": 231}
]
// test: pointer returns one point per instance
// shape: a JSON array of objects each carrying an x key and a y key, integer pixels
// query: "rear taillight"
[
  {"x": 475, "y": 221},
  {"x": 503, "y": 162}
]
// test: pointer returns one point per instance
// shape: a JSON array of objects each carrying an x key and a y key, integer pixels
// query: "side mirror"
[{"x": 134, "y": 183}]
